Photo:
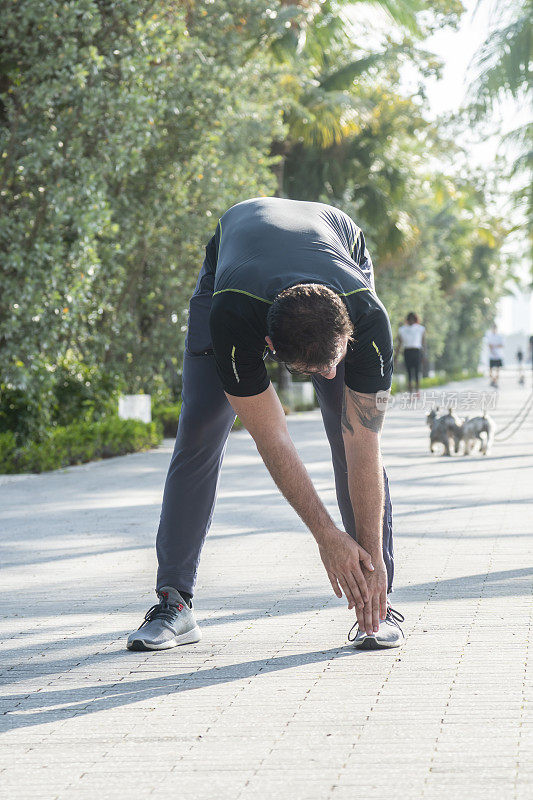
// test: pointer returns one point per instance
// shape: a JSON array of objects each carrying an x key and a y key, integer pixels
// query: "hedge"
[
  {"x": 77, "y": 443},
  {"x": 167, "y": 416}
]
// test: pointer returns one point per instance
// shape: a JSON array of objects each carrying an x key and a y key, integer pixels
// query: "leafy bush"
[
  {"x": 26, "y": 399},
  {"x": 8, "y": 446},
  {"x": 83, "y": 392},
  {"x": 41, "y": 396},
  {"x": 77, "y": 443},
  {"x": 168, "y": 417}
]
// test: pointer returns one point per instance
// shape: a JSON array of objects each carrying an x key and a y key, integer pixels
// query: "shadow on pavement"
[
  {"x": 101, "y": 697},
  {"x": 493, "y": 584},
  {"x": 516, "y": 582}
]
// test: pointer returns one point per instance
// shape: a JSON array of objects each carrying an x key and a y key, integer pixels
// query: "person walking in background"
[
  {"x": 412, "y": 337},
  {"x": 520, "y": 361},
  {"x": 495, "y": 344}
]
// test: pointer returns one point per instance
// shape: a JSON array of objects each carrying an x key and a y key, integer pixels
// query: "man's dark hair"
[
  {"x": 412, "y": 317},
  {"x": 305, "y": 323}
]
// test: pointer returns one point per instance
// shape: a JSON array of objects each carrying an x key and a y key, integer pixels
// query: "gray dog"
[
  {"x": 477, "y": 428},
  {"x": 443, "y": 430}
]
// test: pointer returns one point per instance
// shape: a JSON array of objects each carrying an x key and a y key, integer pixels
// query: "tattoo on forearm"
[
  {"x": 346, "y": 426},
  {"x": 366, "y": 411}
]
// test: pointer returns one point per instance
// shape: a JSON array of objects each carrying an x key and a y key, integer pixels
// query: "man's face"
[{"x": 328, "y": 372}]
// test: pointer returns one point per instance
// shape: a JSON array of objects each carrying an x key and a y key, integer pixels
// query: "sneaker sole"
[
  {"x": 371, "y": 644},
  {"x": 190, "y": 637}
]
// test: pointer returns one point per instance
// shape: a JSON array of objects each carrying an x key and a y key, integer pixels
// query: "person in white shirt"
[
  {"x": 412, "y": 337},
  {"x": 495, "y": 344}
]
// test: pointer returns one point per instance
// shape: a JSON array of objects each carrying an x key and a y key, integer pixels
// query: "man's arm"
[
  {"x": 263, "y": 417},
  {"x": 362, "y": 421}
]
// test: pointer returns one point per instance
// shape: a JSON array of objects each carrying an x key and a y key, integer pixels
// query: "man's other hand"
[{"x": 344, "y": 561}]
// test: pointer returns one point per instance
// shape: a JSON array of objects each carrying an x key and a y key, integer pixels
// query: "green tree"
[{"x": 125, "y": 130}]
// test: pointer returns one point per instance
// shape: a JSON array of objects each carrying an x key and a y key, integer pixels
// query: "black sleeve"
[
  {"x": 369, "y": 359},
  {"x": 211, "y": 252},
  {"x": 237, "y": 346}
]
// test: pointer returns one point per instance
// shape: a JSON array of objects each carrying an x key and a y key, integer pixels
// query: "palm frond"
[
  {"x": 520, "y": 143},
  {"x": 344, "y": 77},
  {"x": 321, "y": 119},
  {"x": 503, "y": 63},
  {"x": 403, "y": 12}
]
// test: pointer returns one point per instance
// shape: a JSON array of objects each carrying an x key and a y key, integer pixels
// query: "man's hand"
[
  {"x": 375, "y": 609},
  {"x": 343, "y": 558}
]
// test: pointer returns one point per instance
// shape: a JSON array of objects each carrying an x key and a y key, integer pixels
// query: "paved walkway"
[{"x": 272, "y": 703}]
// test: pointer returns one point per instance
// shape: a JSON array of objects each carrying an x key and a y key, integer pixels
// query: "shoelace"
[
  {"x": 161, "y": 610},
  {"x": 392, "y": 616}
]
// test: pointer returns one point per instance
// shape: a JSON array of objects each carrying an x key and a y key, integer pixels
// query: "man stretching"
[{"x": 294, "y": 278}]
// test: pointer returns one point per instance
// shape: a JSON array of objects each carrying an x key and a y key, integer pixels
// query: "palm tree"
[
  {"x": 321, "y": 65},
  {"x": 503, "y": 70}
]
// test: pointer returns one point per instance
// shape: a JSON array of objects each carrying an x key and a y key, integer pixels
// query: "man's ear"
[{"x": 268, "y": 340}]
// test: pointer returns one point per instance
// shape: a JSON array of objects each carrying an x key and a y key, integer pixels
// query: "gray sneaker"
[
  {"x": 389, "y": 635},
  {"x": 167, "y": 624}
]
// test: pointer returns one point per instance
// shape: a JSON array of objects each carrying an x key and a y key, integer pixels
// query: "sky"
[{"x": 456, "y": 48}]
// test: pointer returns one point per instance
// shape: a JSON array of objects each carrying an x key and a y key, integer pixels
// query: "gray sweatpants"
[{"x": 205, "y": 421}]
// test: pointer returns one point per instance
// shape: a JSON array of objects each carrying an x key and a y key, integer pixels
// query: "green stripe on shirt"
[
  {"x": 262, "y": 299},
  {"x": 248, "y": 294}
]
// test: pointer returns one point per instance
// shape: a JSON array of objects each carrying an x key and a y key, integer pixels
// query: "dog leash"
[
  {"x": 521, "y": 416},
  {"x": 518, "y": 413}
]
